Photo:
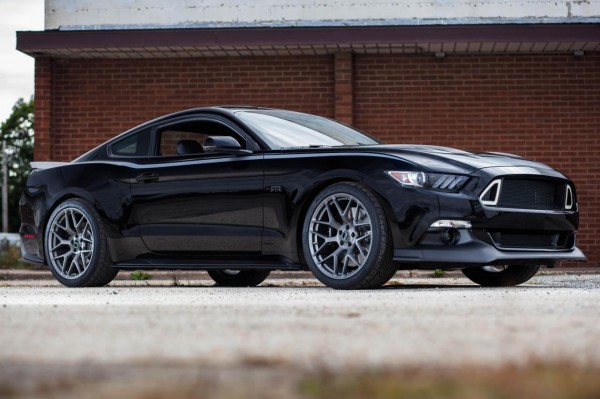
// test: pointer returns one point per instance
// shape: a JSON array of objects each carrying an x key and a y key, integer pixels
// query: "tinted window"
[
  {"x": 284, "y": 129},
  {"x": 170, "y": 139},
  {"x": 188, "y": 137},
  {"x": 135, "y": 145}
]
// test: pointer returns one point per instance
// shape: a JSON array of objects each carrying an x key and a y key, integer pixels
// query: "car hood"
[{"x": 450, "y": 160}]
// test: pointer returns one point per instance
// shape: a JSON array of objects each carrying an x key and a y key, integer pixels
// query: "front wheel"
[
  {"x": 346, "y": 239},
  {"x": 238, "y": 278},
  {"x": 501, "y": 276}
]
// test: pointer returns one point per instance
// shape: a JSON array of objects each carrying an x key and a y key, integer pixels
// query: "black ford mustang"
[{"x": 241, "y": 191}]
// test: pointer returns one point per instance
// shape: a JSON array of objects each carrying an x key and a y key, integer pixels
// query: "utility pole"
[{"x": 4, "y": 188}]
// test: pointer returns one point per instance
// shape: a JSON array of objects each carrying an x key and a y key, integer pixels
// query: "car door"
[{"x": 187, "y": 201}]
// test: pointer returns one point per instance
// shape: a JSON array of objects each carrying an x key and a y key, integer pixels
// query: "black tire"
[
  {"x": 96, "y": 263},
  {"x": 508, "y": 276},
  {"x": 373, "y": 266},
  {"x": 239, "y": 278}
]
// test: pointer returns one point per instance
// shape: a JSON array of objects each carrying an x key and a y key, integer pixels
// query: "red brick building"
[{"x": 532, "y": 90}]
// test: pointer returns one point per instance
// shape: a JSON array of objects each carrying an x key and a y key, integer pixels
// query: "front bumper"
[
  {"x": 470, "y": 251},
  {"x": 497, "y": 236}
]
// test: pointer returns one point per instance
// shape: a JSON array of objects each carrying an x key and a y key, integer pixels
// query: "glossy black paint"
[
  {"x": 222, "y": 209},
  {"x": 222, "y": 216}
]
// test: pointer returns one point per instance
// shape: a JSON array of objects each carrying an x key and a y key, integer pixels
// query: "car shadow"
[
  {"x": 315, "y": 286},
  {"x": 462, "y": 286}
]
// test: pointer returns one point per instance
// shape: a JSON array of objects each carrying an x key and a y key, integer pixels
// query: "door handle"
[{"x": 147, "y": 177}]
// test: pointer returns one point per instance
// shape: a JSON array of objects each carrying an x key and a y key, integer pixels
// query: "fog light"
[
  {"x": 450, "y": 236},
  {"x": 451, "y": 224}
]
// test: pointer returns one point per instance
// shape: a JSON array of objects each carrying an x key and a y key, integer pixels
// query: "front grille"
[
  {"x": 533, "y": 240},
  {"x": 532, "y": 194}
]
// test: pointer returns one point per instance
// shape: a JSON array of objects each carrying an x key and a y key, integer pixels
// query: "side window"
[
  {"x": 180, "y": 142},
  {"x": 188, "y": 137},
  {"x": 135, "y": 145}
]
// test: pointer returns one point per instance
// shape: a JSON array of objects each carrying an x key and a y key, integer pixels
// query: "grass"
[
  {"x": 175, "y": 282},
  {"x": 438, "y": 273},
  {"x": 140, "y": 275},
  {"x": 271, "y": 377},
  {"x": 10, "y": 258},
  {"x": 543, "y": 381}
]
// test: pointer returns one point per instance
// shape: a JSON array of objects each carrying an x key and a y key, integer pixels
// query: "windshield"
[{"x": 285, "y": 129}]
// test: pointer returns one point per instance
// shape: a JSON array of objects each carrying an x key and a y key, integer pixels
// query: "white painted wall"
[{"x": 132, "y": 14}]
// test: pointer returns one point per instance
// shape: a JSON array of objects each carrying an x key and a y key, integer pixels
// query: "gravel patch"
[{"x": 410, "y": 322}]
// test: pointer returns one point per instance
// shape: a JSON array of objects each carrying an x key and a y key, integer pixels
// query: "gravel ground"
[
  {"x": 295, "y": 324},
  {"x": 412, "y": 321}
]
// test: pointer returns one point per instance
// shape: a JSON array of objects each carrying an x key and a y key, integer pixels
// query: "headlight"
[{"x": 434, "y": 181}]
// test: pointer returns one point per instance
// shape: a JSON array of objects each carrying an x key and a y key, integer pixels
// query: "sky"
[{"x": 16, "y": 68}]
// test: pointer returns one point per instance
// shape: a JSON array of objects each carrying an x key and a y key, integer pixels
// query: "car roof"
[
  {"x": 224, "y": 109},
  {"x": 229, "y": 109}
]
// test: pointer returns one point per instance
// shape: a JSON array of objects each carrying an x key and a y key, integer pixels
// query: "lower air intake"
[{"x": 533, "y": 240}]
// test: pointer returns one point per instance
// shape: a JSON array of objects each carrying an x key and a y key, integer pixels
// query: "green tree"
[{"x": 17, "y": 131}]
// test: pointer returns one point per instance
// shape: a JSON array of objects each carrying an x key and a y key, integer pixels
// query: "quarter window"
[{"x": 134, "y": 145}]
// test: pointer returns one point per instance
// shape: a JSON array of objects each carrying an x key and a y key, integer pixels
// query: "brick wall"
[
  {"x": 96, "y": 99},
  {"x": 44, "y": 115},
  {"x": 545, "y": 106}
]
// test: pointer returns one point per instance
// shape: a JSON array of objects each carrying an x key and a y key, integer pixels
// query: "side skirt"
[{"x": 202, "y": 264}]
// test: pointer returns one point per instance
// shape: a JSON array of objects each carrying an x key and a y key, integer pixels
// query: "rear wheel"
[
  {"x": 346, "y": 240},
  {"x": 75, "y": 246},
  {"x": 238, "y": 278},
  {"x": 501, "y": 276}
]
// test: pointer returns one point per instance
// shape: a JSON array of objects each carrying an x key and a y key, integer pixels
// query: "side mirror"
[{"x": 223, "y": 144}]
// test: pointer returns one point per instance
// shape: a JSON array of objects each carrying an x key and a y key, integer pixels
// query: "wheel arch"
[
  {"x": 64, "y": 195},
  {"x": 310, "y": 195},
  {"x": 57, "y": 200}
]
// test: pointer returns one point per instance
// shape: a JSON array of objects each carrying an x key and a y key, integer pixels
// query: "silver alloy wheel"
[
  {"x": 70, "y": 243},
  {"x": 340, "y": 236},
  {"x": 493, "y": 269}
]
